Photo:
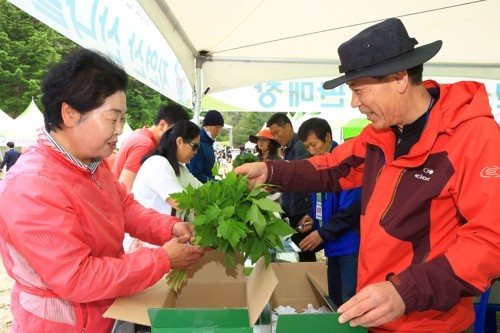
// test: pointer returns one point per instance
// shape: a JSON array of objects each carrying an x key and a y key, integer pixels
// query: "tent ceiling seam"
[{"x": 347, "y": 26}]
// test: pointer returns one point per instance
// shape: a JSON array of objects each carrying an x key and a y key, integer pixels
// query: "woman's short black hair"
[
  {"x": 83, "y": 79},
  {"x": 167, "y": 148}
]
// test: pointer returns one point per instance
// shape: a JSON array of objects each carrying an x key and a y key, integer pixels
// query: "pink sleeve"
[{"x": 47, "y": 243}]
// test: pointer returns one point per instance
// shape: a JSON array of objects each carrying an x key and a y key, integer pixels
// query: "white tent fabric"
[
  {"x": 6, "y": 124},
  {"x": 127, "y": 130},
  {"x": 24, "y": 130},
  {"x": 31, "y": 118},
  {"x": 238, "y": 43},
  {"x": 5, "y": 119}
]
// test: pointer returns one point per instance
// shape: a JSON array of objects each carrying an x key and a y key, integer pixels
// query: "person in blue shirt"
[
  {"x": 334, "y": 220},
  {"x": 202, "y": 163}
]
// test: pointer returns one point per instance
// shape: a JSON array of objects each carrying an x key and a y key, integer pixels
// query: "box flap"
[
  {"x": 198, "y": 318},
  {"x": 260, "y": 286},
  {"x": 134, "y": 308},
  {"x": 294, "y": 287},
  {"x": 320, "y": 283},
  {"x": 212, "y": 269},
  {"x": 318, "y": 322}
]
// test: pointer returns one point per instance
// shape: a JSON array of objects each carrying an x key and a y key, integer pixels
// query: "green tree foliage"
[
  {"x": 28, "y": 47},
  {"x": 244, "y": 124}
]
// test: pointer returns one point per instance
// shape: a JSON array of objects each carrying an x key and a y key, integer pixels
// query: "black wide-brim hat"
[{"x": 381, "y": 49}]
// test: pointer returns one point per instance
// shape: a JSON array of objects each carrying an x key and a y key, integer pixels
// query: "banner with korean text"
[
  {"x": 121, "y": 30},
  {"x": 308, "y": 96}
]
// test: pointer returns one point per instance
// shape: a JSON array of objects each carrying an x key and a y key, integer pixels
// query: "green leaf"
[
  {"x": 279, "y": 227},
  {"x": 242, "y": 211},
  {"x": 212, "y": 213},
  {"x": 258, "y": 249},
  {"x": 254, "y": 193},
  {"x": 269, "y": 205},
  {"x": 200, "y": 220},
  {"x": 228, "y": 211},
  {"x": 230, "y": 180},
  {"x": 257, "y": 219},
  {"x": 231, "y": 261},
  {"x": 232, "y": 231},
  {"x": 215, "y": 169}
]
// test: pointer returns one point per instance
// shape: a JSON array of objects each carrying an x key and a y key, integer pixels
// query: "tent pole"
[{"x": 198, "y": 89}]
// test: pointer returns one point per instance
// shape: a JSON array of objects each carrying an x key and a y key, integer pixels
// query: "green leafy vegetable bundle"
[
  {"x": 232, "y": 219},
  {"x": 245, "y": 158}
]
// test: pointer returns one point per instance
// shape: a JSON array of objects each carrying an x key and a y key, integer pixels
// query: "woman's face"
[
  {"x": 95, "y": 133},
  {"x": 186, "y": 149},
  {"x": 263, "y": 144}
]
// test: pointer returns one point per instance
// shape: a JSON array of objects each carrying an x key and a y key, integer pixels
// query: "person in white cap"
[{"x": 429, "y": 166}]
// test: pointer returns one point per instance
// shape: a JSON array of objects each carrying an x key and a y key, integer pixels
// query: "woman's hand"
[
  {"x": 181, "y": 229},
  {"x": 181, "y": 254}
]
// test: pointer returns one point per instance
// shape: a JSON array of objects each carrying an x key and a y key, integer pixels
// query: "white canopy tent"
[
  {"x": 5, "y": 119},
  {"x": 218, "y": 45},
  {"x": 31, "y": 118},
  {"x": 23, "y": 129},
  {"x": 224, "y": 44},
  {"x": 127, "y": 130},
  {"x": 6, "y": 123}
]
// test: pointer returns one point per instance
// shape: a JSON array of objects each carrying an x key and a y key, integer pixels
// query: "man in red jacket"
[{"x": 429, "y": 166}]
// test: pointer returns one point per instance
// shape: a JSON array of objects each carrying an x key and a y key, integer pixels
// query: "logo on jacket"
[
  {"x": 490, "y": 172},
  {"x": 425, "y": 175}
]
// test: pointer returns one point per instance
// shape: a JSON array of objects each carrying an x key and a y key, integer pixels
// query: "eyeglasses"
[{"x": 194, "y": 145}]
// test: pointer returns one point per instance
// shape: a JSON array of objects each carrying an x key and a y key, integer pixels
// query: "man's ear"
[
  {"x": 163, "y": 125},
  {"x": 402, "y": 80},
  {"x": 69, "y": 115}
]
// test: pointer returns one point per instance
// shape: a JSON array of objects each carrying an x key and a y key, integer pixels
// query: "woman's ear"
[
  {"x": 69, "y": 115},
  {"x": 179, "y": 141}
]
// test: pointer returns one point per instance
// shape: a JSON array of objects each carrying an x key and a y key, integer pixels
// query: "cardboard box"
[
  {"x": 215, "y": 299},
  {"x": 301, "y": 284}
]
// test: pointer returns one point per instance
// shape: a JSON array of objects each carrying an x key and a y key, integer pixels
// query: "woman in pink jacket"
[{"x": 64, "y": 215}]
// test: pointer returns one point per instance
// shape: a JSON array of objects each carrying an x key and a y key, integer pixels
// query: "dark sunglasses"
[{"x": 193, "y": 145}]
